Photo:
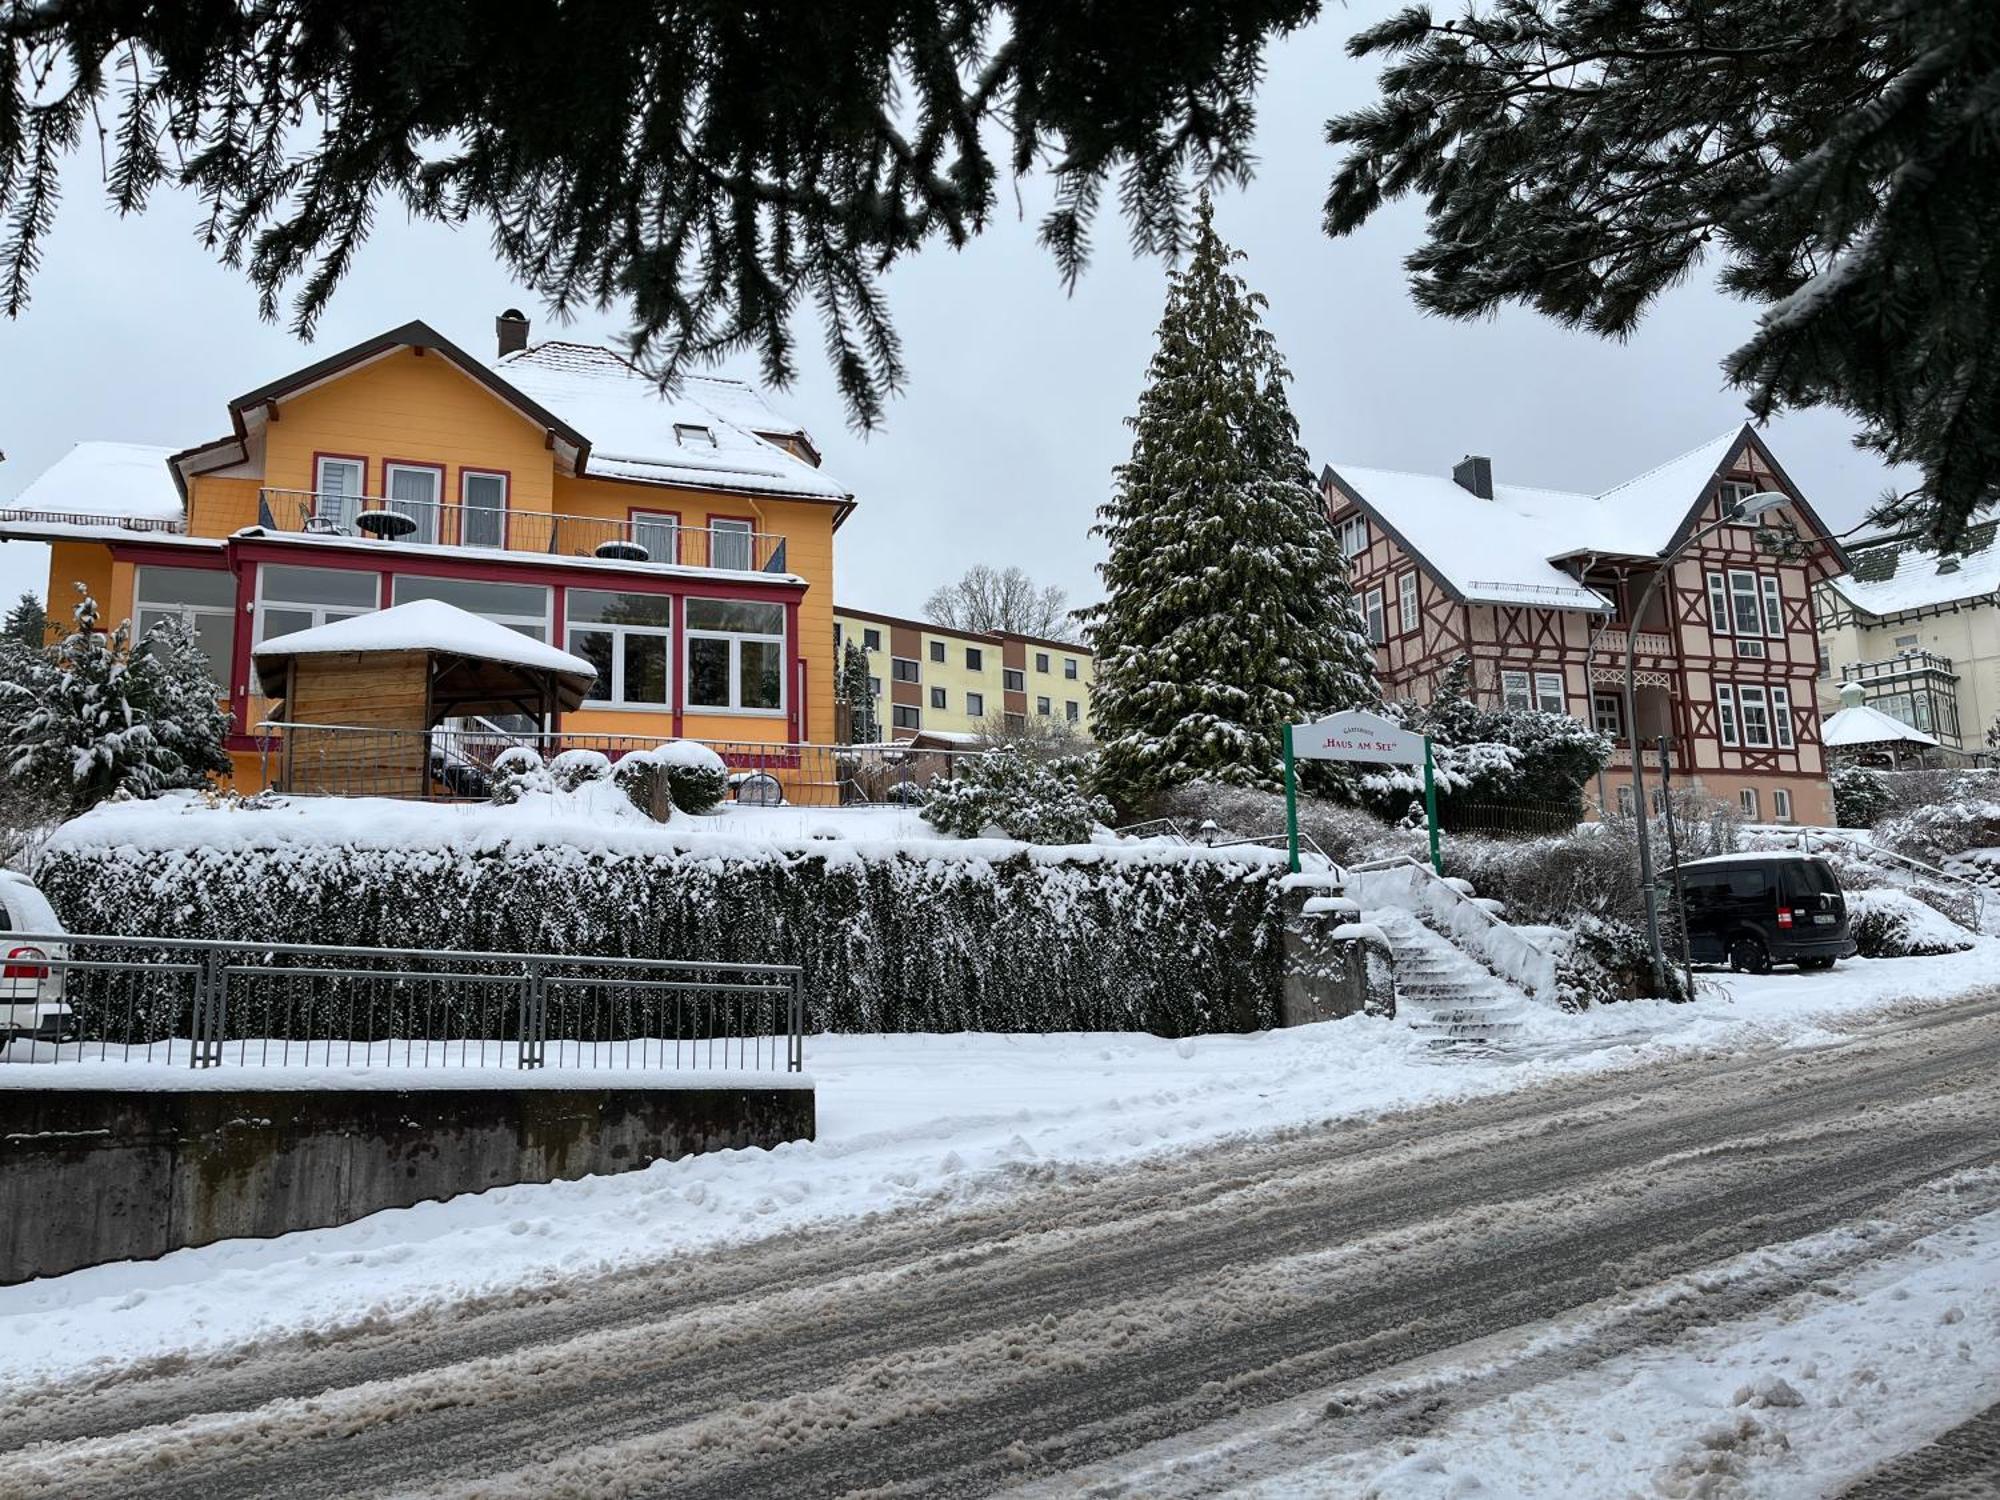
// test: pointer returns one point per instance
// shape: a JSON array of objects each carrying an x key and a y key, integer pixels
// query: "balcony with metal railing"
[
  {"x": 1908, "y": 663},
  {"x": 728, "y": 546}
]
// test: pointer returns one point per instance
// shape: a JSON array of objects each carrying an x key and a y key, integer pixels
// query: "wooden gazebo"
[{"x": 361, "y": 697}]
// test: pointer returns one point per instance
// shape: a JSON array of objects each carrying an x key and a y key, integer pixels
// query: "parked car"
[
  {"x": 1755, "y": 910},
  {"x": 31, "y": 988}
]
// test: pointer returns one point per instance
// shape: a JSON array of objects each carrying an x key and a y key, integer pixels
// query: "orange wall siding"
[
  {"x": 219, "y": 506},
  {"x": 415, "y": 408}
]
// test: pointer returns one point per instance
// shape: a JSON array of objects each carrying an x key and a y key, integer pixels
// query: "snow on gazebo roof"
[
  {"x": 434, "y": 626},
  {"x": 1858, "y": 724}
]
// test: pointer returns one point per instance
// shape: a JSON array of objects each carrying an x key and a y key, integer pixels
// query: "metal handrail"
[
  {"x": 1876, "y": 851},
  {"x": 511, "y": 988},
  {"x": 452, "y": 523}
]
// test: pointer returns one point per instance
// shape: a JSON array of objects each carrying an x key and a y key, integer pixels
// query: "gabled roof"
[
  {"x": 1508, "y": 550},
  {"x": 684, "y": 437},
  {"x": 1898, "y": 574}
]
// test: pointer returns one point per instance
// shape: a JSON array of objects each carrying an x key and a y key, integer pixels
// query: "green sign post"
[{"x": 1358, "y": 735}]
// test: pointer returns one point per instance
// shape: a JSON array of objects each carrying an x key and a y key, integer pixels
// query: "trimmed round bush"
[
  {"x": 696, "y": 776},
  {"x": 573, "y": 768},
  {"x": 643, "y": 779},
  {"x": 517, "y": 771},
  {"x": 1003, "y": 791}
]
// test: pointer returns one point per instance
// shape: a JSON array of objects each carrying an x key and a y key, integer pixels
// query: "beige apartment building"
[
  {"x": 928, "y": 678},
  {"x": 1919, "y": 630}
]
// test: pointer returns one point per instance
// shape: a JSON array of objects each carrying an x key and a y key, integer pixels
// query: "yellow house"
[
  {"x": 682, "y": 544},
  {"x": 929, "y": 678}
]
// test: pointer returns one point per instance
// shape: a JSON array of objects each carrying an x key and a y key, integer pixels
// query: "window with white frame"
[
  {"x": 1906, "y": 643},
  {"x": 482, "y": 508},
  {"x": 518, "y": 606},
  {"x": 1516, "y": 690},
  {"x": 1754, "y": 709},
  {"x": 293, "y": 599},
  {"x": 1070, "y": 670},
  {"x": 1781, "y": 717},
  {"x": 1745, "y": 609},
  {"x": 659, "y": 532},
  {"x": 1774, "y": 609},
  {"x": 874, "y": 687},
  {"x": 1353, "y": 536},
  {"x": 1041, "y": 661},
  {"x": 1373, "y": 612},
  {"x": 1718, "y": 604},
  {"x": 1781, "y": 804},
  {"x": 1725, "y": 713},
  {"x": 338, "y": 484},
  {"x": 906, "y": 716},
  {"x": 975, "y": 705},
  {"x": 1072, "y": 710},
  {"x": 629, "y": 639},
  {"x": 417, "y": 491},
  {"x": 1406, "y": 602},
  {"x": 1625, "y": 803},
  {"x": 1747, "y": 799},
  {"x": 903, "y": 669},
  {"x": 1042, "y": 707},
  {"x": 1735, "y": 494},
  {"x": 871, "y": 640},
  {"x": 937, "y": 697},
  {"x": 1825, "y": 662},
  {"x": 202, "y": 599},
  {"x": 1607, "y": 714},
  {"x": 1549, "y": 695},
  {"x": 736, "y": 655},
  {"x": 937, "y": 650},
  {"x": 1013, "y": 680}
]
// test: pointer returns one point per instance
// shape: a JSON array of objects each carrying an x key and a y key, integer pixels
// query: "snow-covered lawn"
[{"x": 902, "y": 1120}]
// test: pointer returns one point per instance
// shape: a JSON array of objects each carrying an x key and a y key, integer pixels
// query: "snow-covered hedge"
[
  {"x": 912, "y": 935},
  {"x": 1894, "y": 924},
  {"x": 1003, "y": 793}
]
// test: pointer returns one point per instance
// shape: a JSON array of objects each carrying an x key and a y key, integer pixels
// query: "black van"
[{"x": 1754, "y": 910}]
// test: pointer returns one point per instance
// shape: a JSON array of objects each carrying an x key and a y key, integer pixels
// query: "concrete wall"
[
  {"x": 94, "y": 1175},
  {"x": 1327, "y": 977}
]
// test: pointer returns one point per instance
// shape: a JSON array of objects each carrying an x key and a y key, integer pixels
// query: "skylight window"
[{"x": 691, "y": 434}]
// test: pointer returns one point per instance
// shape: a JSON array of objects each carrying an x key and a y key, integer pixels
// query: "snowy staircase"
[{"x": 1444, "y": 994}]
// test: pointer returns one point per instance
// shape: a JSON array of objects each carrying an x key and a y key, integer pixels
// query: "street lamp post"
[{"x": 1749, "y": 510}]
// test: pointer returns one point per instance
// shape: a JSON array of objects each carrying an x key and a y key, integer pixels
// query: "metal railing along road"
[
  {"x": 440, "y": 523},
  {"x": 205, "y": 1003},
  {"x": 452, "y": 763}
]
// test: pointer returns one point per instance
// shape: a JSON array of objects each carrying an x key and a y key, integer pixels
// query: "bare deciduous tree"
[{"x": 996, "y": 599}]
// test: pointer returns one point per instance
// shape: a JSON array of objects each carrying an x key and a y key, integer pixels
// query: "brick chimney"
[
  {"x": 1474, "y": 472},
  {"x": 511, "y": 330}
]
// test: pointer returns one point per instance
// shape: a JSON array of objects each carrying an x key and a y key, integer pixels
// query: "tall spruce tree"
[
  {"x": 1227, "y": 612},
  {"x": 858, "y": 693}
]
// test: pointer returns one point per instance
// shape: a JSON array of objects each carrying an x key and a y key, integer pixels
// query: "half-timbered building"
[{"x": 1536, "y": 587}]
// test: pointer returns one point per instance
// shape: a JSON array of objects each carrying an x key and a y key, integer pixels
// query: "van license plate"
[{"x": 1823, "y": 918}]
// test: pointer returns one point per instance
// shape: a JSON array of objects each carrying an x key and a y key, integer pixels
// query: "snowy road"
[{"x": 1293, "y": 1314}]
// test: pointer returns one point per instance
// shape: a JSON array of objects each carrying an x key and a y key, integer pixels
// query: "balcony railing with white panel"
[{"x": 657, "y": 540}]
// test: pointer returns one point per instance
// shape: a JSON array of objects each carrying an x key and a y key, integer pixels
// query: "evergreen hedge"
[{"x": 889, "y": 941}]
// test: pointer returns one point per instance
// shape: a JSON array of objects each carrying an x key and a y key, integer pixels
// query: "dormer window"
[{"x": 693, "y": 434}]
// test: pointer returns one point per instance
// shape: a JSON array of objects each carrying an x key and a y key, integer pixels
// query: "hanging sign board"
[{"x": 1358, "y": 735}]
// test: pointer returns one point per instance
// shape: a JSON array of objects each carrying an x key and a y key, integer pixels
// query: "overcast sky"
[{"x": 1002, "y": 447}]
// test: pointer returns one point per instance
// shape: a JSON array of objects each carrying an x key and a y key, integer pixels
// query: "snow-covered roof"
[
  {"x": 1505, "y": 550},
  {"x": 1897, "y": 575},
  {"x": 429, "y": 625},
  {"x": 695, "y": 436},
  {"x": 104, "y": 482},
  {"x": 1492, "y": 551},
  {"x": 1859, "y": 724}
]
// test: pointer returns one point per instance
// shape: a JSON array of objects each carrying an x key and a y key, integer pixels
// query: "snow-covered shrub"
[
  {"x": 1860, "y": 796},
  {"x": 1894, "y": 924},
  {"x": 1549, "y": 881},
  {"x": 1607, "y": 959},
  {"x": 98, "y": 715},
  {"x": 642, "y": 776},
  {"x": 573, "y": 768},
  {"x": 517, "y": 771},
  {"x": 1920, "y": 787},
  {"x": 1004, "y": 793},
  {"x": 1937, "y": 832},
  {"x": 697, "y": 777},
  {"x": 1172, "y": 942}
]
